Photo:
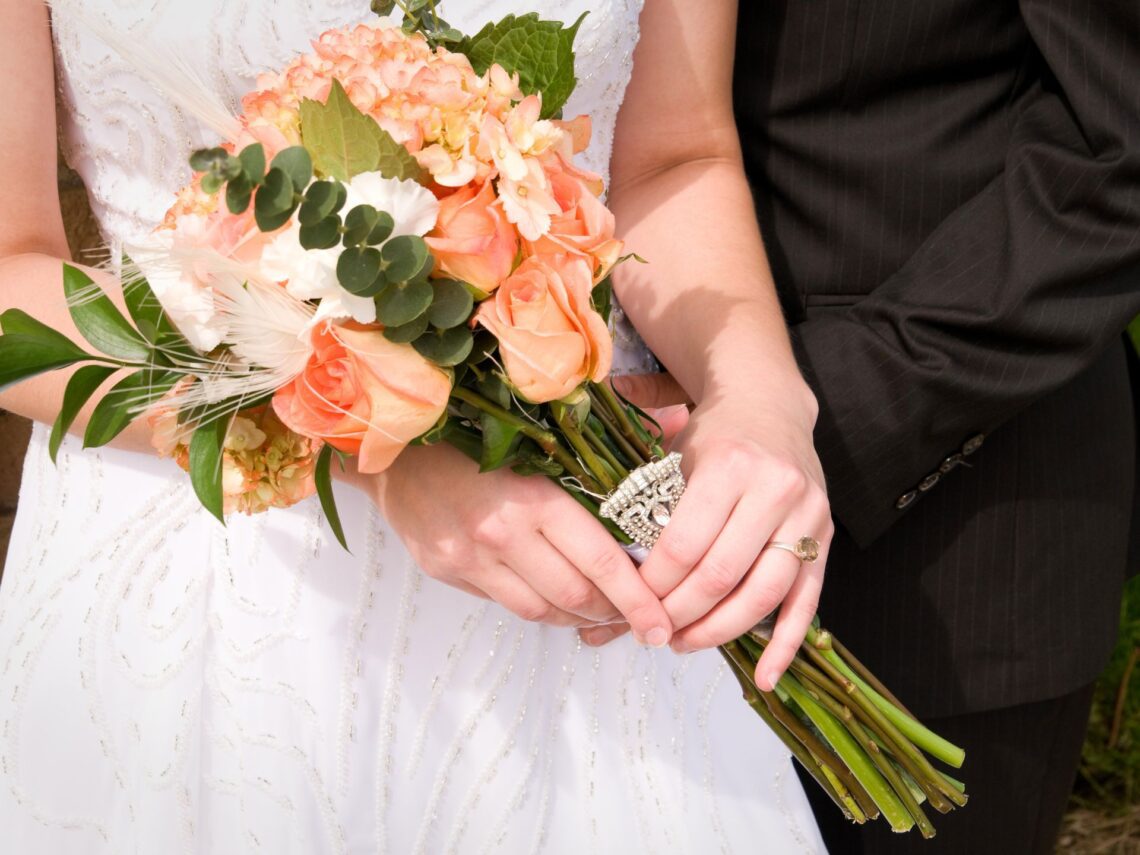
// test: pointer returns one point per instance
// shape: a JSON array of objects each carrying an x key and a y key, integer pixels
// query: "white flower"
[
  {"x": 311, "y": 274},
  {"x": 176, "y": 267}
]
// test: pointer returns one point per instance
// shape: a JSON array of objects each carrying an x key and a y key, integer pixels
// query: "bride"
[{"x": 167, "y": 684}]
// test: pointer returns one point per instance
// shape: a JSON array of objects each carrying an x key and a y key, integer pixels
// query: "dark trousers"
[{"x": 1019, "y": 770}]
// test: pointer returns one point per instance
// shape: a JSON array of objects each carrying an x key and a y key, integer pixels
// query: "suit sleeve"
[{"x": 1012, "y": 296}]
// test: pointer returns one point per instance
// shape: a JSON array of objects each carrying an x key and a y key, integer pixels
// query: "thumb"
[{"x": 650, "y": 391}]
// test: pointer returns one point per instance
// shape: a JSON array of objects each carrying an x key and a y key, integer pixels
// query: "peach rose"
[
  {"x": 363, "y": 394},
  {"x": 472, "y": 240},
  {"x": 550, "y": 337},
  {"x": 585, "y": 227}
]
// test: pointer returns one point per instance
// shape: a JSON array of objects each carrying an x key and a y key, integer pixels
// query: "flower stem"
[
  {"x": 546, "y": 440},
  {"x": 598, "y": 408},
  {"x": 622, "y": 419},
  {"x": 582, "y": 448}
]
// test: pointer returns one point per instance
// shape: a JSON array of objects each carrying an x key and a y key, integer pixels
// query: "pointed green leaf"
[
  {"x": 127, "y": 400},
  {"x": 542, "y": 52},
  {"x": 500, "y": 440},
  {"x": 99, "y": 321},
  {"x": 80, "y": 388},
  {"x": 150, "y": 318},
  {"x": 323, "y": 478},
  {"x": 206, "y": 446},
  {"x": 17, "y": 322},
  {"x": 23, "y": 356},
  {"x": 344, "y": 142}
]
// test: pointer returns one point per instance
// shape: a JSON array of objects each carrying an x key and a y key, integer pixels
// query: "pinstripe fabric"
[{"x": 950, "y": 196}]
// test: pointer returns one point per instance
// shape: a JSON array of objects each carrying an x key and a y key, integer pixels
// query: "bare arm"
[
  {"x": 33, "y": 246},
  {"x": 707, "y": 306}
]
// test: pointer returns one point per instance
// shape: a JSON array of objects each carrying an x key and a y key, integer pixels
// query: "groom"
[{"x": 949, "y": 192}]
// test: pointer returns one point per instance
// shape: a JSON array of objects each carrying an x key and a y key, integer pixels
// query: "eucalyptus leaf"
[
  {"x": 344, "y": 142},
  {"x": 206, "y": 447},
  {"x": 208, "y": 159},
  {"x": 452, "y": 304},
  {"x": 358, "y": 223},
  {"x": 402, "y": 302},
  {"x": 445, "y": 348},
  {"x": 500, "y": 440},
  {"x": 239, "y": 193},
  {"x": 274, "y": 203},
  {"x": 99, "y": 321},
  {"x": 404, "y": 257},
  {"x": 322, "y": 200},
  {"x": 82, "y": 385},
  {"x": 252, "y": 159},
  {"x": 297, "y": 164},
  {"x": 358, "y": 270},
  {"x": 542, "y": 52},
  {"x": 126, "y": 401},
  {"x": 322, "y": 475},
  {"x": 409, "y": 332},
  {"x": 322, "y": 235},
  {"x": 381, "y": 230}
]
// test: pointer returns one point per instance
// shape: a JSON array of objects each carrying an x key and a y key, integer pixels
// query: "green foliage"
[
  {"x": 323, "y": 477},
  {"x": 322, "y": 200},
  {"x": 409, "y": 332},
  {"x": 421, "y": 16},
  {"x": 358, "y": 270},
  {"x": 206, "y": 447},
  {"x": 296, "y": 164},
  {"x": 80, "y": 388},
  {"x": 275, "y": 201},
  {"x": 500, "y": 442},
  {"x": 446, "y": 348},
  {"x": 28, "y": 348},
  {"x": 365, "y": 225},
  {"x": 403, "y": 302},
  {"x": 344, "y": 142},
  {"x": 127, "y": 398},
  {"x": 452, "y": 304},
  {"x": 152, "y": 321},
  {"x": 1110, "y": 770},
  {"x": 99, "y": 321},
  {"x": 542, "y": 52}
]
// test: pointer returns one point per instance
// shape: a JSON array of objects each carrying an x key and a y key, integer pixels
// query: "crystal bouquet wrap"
[{"x": 392, "y": 245}]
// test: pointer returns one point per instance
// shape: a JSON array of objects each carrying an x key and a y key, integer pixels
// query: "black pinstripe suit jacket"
[{"x": 950, "y": 196}]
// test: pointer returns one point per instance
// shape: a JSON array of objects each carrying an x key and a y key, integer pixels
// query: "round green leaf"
[
  {"x": 404, "y": 257},
  {"x": 445, "y": 347},
  {"x": 231, "y": 168},
  {"x": 452, "y": 304},
  {"x": 296, "y": 163},
  {"x": 205, "y": 159},
  {"x": 407, "y": 333},
  {"x": 321, "y": 235},
  {"x": 382, "y": 230},
  {"x": 212, "y": 183},
  {"x": 320, "y": 201},
  {"x": 238, "y": 194},
  {"x": 402, "y": 302},
  {"x": 252, "y": 159},
  {"x": 274, "y": 205},
  {"x": 358, "y": 270},
  {"x": 358, "y": 223}
]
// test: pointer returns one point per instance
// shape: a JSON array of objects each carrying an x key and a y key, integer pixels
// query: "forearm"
[
  {"x": 32, "y": 282},
  {"x": 705, "y": 303}
]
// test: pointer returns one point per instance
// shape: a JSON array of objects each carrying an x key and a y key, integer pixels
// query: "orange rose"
[
  {"x": 550, "y": 336},
  {"x": 363, "y": 394},
  {"x": 585, "y": 227},
  {"x": 472, "y": 240}
]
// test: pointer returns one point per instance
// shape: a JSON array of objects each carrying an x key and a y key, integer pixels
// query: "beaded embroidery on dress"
[{"x": 172, "y": 686}]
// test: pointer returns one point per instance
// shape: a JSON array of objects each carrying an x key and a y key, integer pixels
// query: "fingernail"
[
  {"x": 657, "y": 637},
  {"x": 773, "y": 677},
  {"x": 599, "y": 635},
  {"x": 681, "y": 647}
]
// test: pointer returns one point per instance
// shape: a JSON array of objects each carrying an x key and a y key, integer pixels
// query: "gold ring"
[{"x": 805, "y": 549}]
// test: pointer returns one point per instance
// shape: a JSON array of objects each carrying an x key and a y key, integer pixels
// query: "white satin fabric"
[{"x": 170, "y": 685}]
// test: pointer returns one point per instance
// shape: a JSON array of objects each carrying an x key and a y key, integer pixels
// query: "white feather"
[{"x": 170, "y": 74}]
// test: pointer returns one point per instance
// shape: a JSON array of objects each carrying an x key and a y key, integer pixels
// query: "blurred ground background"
[{"x": 1104, "y": 815}]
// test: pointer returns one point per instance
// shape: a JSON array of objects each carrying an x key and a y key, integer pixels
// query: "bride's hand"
[
  {"x": 753, "y": 478},
  {"x": 522, "y": 542}
]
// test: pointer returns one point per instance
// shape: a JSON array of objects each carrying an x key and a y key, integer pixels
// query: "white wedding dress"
[{"x": 168, "y": 685}]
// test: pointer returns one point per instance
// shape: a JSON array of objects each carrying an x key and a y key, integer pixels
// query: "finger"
[
  {"x": 559, "y": 582},
  {"x": 468, "y": 588},
  {"x": 671, "y": 420},
  {"x": 650, "y": 390},
  {"x": 590, "y": 548},
  {"x": 762, "y": 590},
  {"x": 596, "y": 636},
  {"x": 513, "y": 593},
  {"x": 722, "y": 568},
  {"x": 796, "y": 614},
  {"x": 696, "y": 524}
]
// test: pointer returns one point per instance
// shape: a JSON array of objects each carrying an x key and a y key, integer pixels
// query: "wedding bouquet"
[{"x": 394, "y": 246}]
